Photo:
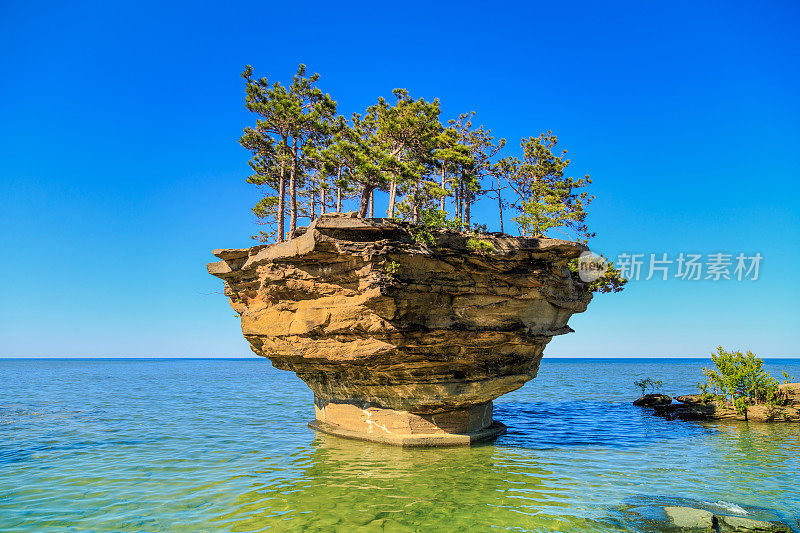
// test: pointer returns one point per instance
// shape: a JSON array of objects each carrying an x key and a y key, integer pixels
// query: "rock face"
[{"x": 372, "y": 320}]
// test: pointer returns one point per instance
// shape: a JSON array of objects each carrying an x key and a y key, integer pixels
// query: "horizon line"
[{"x": 255, "y": 357}]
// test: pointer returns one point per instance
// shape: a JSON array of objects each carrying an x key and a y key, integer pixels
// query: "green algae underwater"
[{"x": 222, "y": 445}]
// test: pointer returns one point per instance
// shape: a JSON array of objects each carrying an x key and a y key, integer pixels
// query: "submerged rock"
[
  {"x": 373, "y": 321},
  {"x": 740, "y": 524},
  {"x": 690, "y": 518}
]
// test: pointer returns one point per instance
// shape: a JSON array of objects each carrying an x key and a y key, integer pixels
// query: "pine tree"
[
  {"x": 500, "y": 178},
  {"x": 312, "y": 115},
  {"x": 545, "y": 198},
  {"x": 265, "y": 100},
  {"x": 477, "y": 166},
  {"x": 405, "y": 135},
  {"x": 358, "y": 160},
  {"x": 450, "y": 157},
  {"x": 334, "y": 165},
  {"x": 267, "y": 164},
  {"x": 295, "y": 116}
]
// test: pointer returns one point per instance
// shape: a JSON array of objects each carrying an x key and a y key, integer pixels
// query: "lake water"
[{"x": 222, "y": 445}]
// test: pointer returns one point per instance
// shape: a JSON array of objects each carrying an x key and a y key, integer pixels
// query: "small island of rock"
[
  {"x": 403, "y": 342},
  {"x": 696, "y": 407}
]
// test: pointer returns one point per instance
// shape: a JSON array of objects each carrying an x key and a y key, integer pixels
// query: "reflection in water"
[
  {"x": 344, "y": 484},
  {"x": 559, "y": 469}
]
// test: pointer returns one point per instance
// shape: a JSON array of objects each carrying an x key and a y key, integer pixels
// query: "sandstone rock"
[
  {"x": 689, "y": 398},
  {"x": 694, "y": 407},
  {"x": 365, "y": 315},
  {"x": 792, "y": 392},
  {"x": 650, "y": 400},
  {"x": 740, "y": 524},
  {"x": 690, "y": 518}
]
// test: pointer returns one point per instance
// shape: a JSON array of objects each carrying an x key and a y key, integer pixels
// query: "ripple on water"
[{"x": 222, "y": 445}]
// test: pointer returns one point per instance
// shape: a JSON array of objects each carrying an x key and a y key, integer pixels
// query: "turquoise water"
[{"x": 222, "y": 445}]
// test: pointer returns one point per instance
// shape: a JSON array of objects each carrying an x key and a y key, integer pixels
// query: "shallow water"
[{"x": 222, "y": 445}]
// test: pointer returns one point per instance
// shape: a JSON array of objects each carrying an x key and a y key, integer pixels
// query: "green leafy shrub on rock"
[
  {"x": 739, "y": 379},
  {"x": 392, "y": 268},
  {"x": 611, "y": 281},
  {"x": 480, "y": 246},
  {"x": 648, "y": 383}
]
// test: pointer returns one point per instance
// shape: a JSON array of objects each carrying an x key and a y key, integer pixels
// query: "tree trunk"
[
  {"x": 467, "y": 214},
  {"x": 372, "y": 204},
  {"x": 461, "y": 206},
  {"x": 441, "y": 204},
  {"x": 282, "y": 204},
  {"x": 392, "y": 195},
  {"x": 339, "y": 190},
  {"x": 415, "y": 203},
  {"x": 313, "y": 205},
  {"x": 456, "y": 201},
  {"x": 500, "y": 206},
  {"x": 322, "y": 207},
  {"x": 536, "y": 217},
  {"x": 365, "y": 194},
  {"x": 293, "y": 189}
]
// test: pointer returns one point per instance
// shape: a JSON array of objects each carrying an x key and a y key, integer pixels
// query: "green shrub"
[
  {"x": 611, "y": 281},
  {"x": 392, "y": 268},
  {"x": 480, "y": 246},
  {"x": 648, "y": 383},
  {"x": 740, "y": 379}
]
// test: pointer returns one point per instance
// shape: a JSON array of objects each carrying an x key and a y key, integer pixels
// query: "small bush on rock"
[
  {"x": 480, "y": 246},
  {"x": 740, "y": 378},
  {"x": 648, "y": 383}
]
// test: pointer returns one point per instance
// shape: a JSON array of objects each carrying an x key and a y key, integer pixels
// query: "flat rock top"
[{"x": 346, "y": 226}]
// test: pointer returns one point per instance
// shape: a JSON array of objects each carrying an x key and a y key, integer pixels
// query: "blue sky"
[{"x": 120, "y": 168}]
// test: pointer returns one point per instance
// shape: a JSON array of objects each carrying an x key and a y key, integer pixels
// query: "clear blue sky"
[{"x": 120, "y": 168}]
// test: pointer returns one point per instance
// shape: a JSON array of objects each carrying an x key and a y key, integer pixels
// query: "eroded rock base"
[{"x": 363, "y": 421}]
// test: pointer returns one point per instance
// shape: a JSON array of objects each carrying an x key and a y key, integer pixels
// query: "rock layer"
[{"x": 364, "y": 313}]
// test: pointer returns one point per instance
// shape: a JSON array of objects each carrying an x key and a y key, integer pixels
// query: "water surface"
[{"x": 222, "y": 445}]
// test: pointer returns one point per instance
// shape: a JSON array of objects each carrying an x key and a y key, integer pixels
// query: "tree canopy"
[{"x": 432, "y": 170}]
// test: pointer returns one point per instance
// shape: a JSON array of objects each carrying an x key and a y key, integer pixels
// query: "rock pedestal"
[
  {"x": 362, "y": 420},
  {"x": 404, "y": 337}
]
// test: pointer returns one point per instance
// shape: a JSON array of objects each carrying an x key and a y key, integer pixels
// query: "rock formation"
[
  {"x": 695, "y": 407},
  {"x": 403, "y": 342},
  {"x": 651, "y": 400}
]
